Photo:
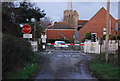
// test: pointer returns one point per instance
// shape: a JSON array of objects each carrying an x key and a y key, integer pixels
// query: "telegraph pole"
[
  {"x": 107, "y": 31},
  {"x": 24, "y": 0}
]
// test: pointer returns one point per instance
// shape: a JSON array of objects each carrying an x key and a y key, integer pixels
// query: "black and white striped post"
[{"x": 43, "y": 39}]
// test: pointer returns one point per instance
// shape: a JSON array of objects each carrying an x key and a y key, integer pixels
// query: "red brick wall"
[
  {"x": 96, "y": 24},
  {"x": 53, "y": 34},
  {"x": 119, "y": 27}
]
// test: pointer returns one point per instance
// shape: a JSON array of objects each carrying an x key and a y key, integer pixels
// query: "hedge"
[{"x": 16, "y": 52}]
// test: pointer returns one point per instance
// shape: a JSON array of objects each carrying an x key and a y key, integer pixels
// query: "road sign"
[
  {"x": 43, "y": 36},
  {"x": 26, "y": 29},
  {"x": 43, "y": 40},
  {"x": 27, "y": 35}
]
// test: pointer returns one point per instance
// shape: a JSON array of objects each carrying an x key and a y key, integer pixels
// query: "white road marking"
[
  {"x": 74, "y": 55},
  {"x": 89, "y": 59},
  {"x": 49, "y": 52},
  {"x": 59, "y": 55},
  {"x": 83, "y": 53},
  {"x": 65, "y": 55}
]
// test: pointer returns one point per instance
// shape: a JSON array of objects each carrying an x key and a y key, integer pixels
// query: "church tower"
[
  {"x": 71, "y": 16},
  {"x": 69, "y": 6}
]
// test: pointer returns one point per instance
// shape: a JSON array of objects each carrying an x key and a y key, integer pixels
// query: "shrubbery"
[
  {"x": 111, "y": 37},
  {"x": 16, "y": 52},
  {"x": 87, "y": 36}
]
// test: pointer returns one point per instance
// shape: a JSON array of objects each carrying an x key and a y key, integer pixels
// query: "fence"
[
  {"x": 94, "y": 47},
  {"x": 113, "y": 46},
  {"x": 91, "y": 47}
]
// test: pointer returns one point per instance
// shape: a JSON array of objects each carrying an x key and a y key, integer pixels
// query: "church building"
[{"x": 71, "y": 16}]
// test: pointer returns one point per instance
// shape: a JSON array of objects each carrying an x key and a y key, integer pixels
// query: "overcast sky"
[{"x": 86, "y": 10}]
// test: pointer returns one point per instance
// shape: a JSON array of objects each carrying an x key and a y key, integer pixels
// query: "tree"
[
  {"x": 16, "y": 52},
  {"x": 14, "y": 15},
  {"x": 8, "y": 25},
  {"x": 41, "y": 25},
  {"x": 44, "y": 23},
  {"x": 87, "y": 36}
]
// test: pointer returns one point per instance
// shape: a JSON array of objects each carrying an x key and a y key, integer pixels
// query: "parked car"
[{"x": 61, "y": 44}]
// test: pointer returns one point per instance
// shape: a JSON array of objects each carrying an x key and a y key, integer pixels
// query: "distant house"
[
  {"x": 81, "y": 23},
  {"x": 119, "y": 26},
  {"x": 61, "y": 30},
  {"x": 96, "y": 25}
]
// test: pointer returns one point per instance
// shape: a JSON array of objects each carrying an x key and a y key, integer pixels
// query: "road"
[{"x": 65, "y": 64}]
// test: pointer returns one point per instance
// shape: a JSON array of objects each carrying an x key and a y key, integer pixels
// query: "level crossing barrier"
[
  {"x": 71, "y": 46},
  {"x": 65, "y": 44}
]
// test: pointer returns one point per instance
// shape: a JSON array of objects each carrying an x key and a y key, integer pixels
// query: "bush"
[
  {"x": 15, "y": 53},
  {"x": 26, "y": 73},
  {"x": 87, "y": 36},
  {"x": 30, "y": 70},
  {"x": 111, "y": 37}
]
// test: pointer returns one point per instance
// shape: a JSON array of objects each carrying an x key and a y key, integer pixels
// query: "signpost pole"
[
  {"x": 34, "y": 28},
  {"x": 28, "y": 39}
]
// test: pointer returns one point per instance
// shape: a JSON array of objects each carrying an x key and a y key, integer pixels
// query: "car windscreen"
[{"x": 61, "y": 43}]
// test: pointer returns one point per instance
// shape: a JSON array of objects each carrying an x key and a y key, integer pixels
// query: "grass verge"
[
  {"x": 26, "y": 73},
  {"x": 29, "y": 70},
  {"x": 103, "y": 70}
]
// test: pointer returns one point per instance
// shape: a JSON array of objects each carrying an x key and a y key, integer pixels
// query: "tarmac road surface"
[{"x": 65, "y": 64}]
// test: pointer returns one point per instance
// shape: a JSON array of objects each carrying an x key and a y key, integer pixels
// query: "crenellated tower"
[{"x": 71, "y": 16}]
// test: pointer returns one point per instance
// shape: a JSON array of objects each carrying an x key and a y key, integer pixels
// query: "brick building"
[
  {"x": 96, "y": 25},
  {"x": 61, "y": 30}
]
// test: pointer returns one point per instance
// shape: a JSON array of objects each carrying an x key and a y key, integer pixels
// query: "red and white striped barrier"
[{"x": 65, "y": 44}]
